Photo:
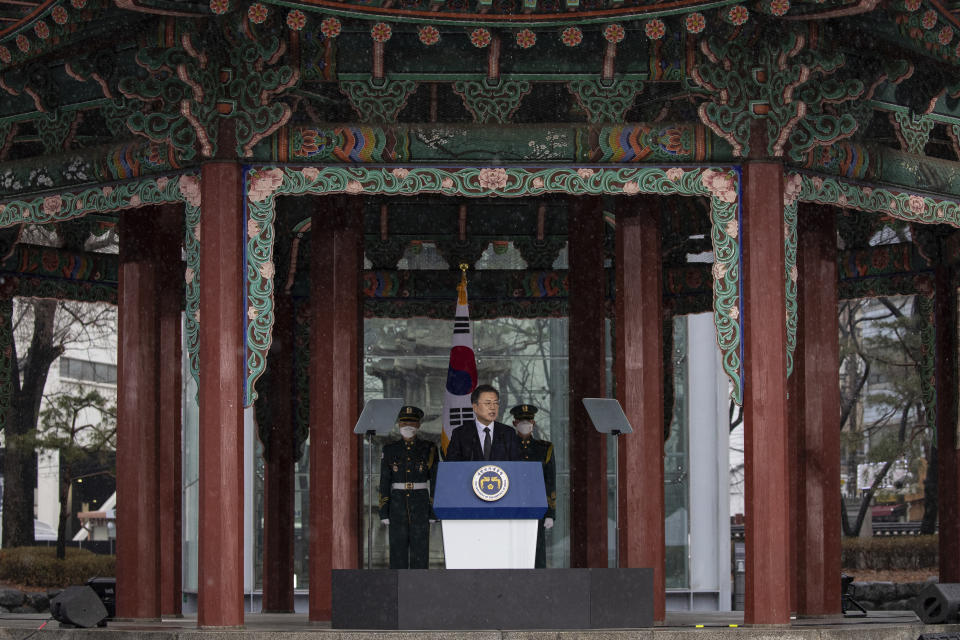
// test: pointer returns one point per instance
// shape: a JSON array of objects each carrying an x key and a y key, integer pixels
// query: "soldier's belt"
[{"x": 401, "y": 486}]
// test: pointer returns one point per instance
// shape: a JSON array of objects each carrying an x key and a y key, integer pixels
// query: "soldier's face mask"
[
  {"x": 408, "y": 431},
  {"x": 525, "y": 427}
]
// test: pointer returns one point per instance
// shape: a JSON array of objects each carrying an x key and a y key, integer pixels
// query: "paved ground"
[{"x": 679, "y": 626}]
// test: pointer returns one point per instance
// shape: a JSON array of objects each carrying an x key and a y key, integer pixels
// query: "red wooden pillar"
[
  {"x": 587, "y": 365},
  {"x": 138, "y": 513},
  {"x": 948, "y": 456},
  {"x": 766, "y": 472},
  {"x": 278, "y": 481},
  {"x": 222, "y": 231},
  {"x": 795, "y": 444},
  {"x": 639, "y": 376},
  {"x": 336, "y": 246},
  {"x": 815, "y": 418},
  {"x": 169, "y": 240}
]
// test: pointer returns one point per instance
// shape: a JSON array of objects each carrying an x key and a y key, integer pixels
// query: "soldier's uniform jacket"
[
  {"x": 534, "y": 450},
  {"x": 413, "y": 464}
]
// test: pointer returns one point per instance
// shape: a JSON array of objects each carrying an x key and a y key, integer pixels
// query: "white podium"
[
  {"x": 490, "y": 544},
  {"x": 489, "y": 512}
]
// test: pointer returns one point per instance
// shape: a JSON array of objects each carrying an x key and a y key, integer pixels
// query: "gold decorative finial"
[{"x": 463, "y": 267}]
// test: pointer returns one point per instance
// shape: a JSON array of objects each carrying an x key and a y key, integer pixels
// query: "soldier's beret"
[
  {"x": 410, "y": 413},
  {"x": 524, "y": 411}
]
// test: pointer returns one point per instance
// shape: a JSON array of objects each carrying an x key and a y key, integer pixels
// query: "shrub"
[
  {"x": 39, "y": 567},
  {"x": 893, "y": 552}
]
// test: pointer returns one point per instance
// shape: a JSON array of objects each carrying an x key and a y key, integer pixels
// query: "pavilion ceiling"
[{"x": 112, "y": 89}]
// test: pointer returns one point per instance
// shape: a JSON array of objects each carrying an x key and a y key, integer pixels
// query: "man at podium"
[
  {"x": 535, "y": 450},
  {"x": 483, "y": 438},
  {"x": 408, "y": 476}
]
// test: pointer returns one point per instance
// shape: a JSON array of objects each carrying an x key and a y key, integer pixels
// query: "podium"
[{"x": 489, "y": 512}]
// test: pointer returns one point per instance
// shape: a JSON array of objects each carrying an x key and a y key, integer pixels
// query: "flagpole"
[{"x": 462, "y": 371}]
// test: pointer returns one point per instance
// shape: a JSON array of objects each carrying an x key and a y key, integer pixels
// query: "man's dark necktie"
[{"x": 486, "y": 443}]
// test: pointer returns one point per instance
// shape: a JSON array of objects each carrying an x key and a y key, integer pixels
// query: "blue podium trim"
[{"x": 526, "y": 498}]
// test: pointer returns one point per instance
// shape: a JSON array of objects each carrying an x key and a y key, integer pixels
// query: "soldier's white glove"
[
  {"x": 433, "y": 521},
  {"x": 548, "y": 523},
  {"x": 386, "y": 522}
]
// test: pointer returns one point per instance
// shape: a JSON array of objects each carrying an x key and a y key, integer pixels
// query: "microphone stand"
[{"x": 369, "y": 478}]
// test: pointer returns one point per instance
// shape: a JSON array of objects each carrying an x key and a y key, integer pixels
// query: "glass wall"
[
  {"x": 301, "y": 513},
  {"x": 676, "y": 486},
  {"x": 191, "y": 476},
  {"x": 526, "y": 359}
]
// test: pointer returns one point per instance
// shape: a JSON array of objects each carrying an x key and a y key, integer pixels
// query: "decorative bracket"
[
  {"x": 56, "y": 130},
  {"x": 787, "y": 89},
  {"x": 38, "y": 87},
  {"x": 491, "y": 103},
  {"x": 378, "y": 104},
  {"x": 913, "y": 131},
  {"x": 197, "y": 88},
  {"x": 8, "y": 131},
  {"x": 953, "y": 132},
  {"x": 539, "y": 255},
  {"x": 115, "y": 116},
  {"x": 819, "y": 128},
  {"x": 605, "y": 103}
]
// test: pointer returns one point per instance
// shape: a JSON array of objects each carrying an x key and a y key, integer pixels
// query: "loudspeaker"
[
  {"x": 938, "y": 603},
  {"x": 106, "y": 590},
  {"x": 78, "y": 606}
]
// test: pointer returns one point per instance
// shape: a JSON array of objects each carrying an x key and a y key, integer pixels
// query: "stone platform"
[
  {"x": 896, "y": 625},
  {"x": 476, "y": 599}
]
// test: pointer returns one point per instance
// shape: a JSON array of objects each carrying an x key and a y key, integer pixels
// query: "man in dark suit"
[{"x": 484, "y": 438}]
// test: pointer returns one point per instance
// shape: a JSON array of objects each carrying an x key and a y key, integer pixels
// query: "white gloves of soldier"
[
  {"x": 386, "y": 522},
  {"x": 548, "y": 523}
]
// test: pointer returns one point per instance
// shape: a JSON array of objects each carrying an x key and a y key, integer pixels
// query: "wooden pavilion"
[{"x": 254, "y": 154}]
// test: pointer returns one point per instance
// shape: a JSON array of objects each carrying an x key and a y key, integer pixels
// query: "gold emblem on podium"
[{"x": 490, "y": 483}]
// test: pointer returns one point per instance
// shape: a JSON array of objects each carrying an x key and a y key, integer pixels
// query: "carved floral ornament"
[
  {"x": 264, "y": 184},
  {"x": 69, "y": 205},
  {"x": 802, "y": 187},
  {"x": 912, "y": 207},
  {"x": 916, "y": 19}
]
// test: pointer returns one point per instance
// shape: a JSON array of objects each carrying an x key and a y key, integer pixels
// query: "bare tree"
[
  {"x": 42, "y": 330},
  {"x": 880, "y": 343},
  {"x": 77, "y": 425}
]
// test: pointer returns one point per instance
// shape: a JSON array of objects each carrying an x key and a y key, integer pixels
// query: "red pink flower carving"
[
  {"x": 571, "y": 36},
  {"x": 429, "y": 35},
  {"x": 526, "y": 38}
]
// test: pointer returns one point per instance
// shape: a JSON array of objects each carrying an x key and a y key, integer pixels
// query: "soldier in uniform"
[
  {"x": 408, "y": 474},
  {"x": 535, "y": 450}
]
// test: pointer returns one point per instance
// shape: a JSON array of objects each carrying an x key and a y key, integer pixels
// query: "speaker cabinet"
[
  {"x": 78, "y": 607},
  {"x": 106, "y": 590},
  {"x": 938, "y": 603}
]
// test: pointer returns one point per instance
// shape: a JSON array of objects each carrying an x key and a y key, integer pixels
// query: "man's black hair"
[{"x": 482, "y": 388}]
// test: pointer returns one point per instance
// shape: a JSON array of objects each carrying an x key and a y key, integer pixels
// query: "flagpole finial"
[{"x": 462, "y": 287}]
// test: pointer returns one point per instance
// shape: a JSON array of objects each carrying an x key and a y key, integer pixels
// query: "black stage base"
[{"x": 493, "y": 599}]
